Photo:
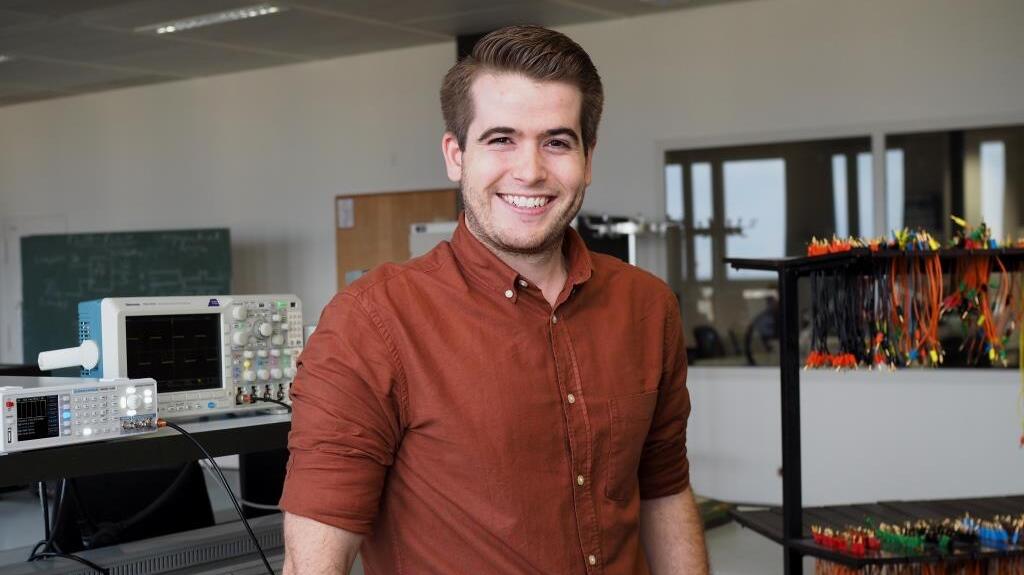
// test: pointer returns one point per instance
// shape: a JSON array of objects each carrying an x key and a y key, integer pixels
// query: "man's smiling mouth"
[{"x": 525, "y": 201}]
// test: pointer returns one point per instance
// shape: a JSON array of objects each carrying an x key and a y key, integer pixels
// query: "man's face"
[{"x": 524, "y": 171}]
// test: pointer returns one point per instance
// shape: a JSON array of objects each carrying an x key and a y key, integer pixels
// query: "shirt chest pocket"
[{"x": 630, "y": 420}]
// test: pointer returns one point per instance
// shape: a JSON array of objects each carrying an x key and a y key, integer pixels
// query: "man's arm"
[
  {"x": 672, "y": 534},
  {"x": 312, "y": 547},
  {"x": 346, "y": 426}
]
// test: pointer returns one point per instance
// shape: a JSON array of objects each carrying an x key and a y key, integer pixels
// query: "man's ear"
[
  {"x": 588, "y": 168},
  {"x": 452, "y": 156}
]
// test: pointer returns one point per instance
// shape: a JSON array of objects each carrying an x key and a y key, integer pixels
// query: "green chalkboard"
[{"x": 58, "y": 271}]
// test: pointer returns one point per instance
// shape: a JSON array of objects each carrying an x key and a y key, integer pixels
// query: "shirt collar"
[{"x": 485, "y": 266}]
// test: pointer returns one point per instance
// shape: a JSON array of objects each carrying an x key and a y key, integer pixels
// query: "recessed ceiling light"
[{"x": 211, "y": 19}]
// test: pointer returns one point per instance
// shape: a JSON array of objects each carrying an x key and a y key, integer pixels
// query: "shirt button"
[
  {"x": 571, "y": 398},
  {"x": 509, "y": 293},
  {"x": 592, "y": 559},
  {"x": 554, "y": 319},
  {"x": 523, "y": 283},
  {"x": 580, "y": 480}
]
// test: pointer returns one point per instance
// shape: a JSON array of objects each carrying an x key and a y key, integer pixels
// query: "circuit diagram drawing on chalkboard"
[{"x": 58, "y": 271}]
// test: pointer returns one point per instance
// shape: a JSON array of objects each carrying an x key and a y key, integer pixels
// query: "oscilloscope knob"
[
  {"x": 239, "y": 337},
  {"x": 275, "y": 373},
  {"x": 265, "y": 329},
  {"x": 263, "y": 374},
  {"x": 132, "y": 402},
  {"x": 249, "y": 375},
  {"x": 239, "y": 312}
]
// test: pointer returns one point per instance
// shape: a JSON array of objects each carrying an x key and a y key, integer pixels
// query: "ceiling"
[{"x": 56, "y": 48}]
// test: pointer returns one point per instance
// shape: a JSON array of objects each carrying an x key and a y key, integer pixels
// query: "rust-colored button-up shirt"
[{"x": 443, "y": 408}]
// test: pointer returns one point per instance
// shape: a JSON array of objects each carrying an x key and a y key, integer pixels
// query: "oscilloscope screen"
[{"x": 181, "y": 352}]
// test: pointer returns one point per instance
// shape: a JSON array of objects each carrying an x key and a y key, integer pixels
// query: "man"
[{"x": 509, "y": 402}]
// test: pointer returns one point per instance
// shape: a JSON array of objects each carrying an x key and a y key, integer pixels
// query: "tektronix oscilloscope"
[{"x": 206, "y": 353}]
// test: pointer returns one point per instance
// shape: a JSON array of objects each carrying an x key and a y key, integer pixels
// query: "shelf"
[
  {"x": 769, "y": 524},
  {"x": 226, "y": 435},
  {"x": 786, "y": 525},
  {"x": 1012, "y": 258}
]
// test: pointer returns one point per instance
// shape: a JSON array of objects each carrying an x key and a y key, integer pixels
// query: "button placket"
[{"x": 580, "y": 449}]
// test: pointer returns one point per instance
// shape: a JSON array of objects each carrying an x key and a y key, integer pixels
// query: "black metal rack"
[{"x": 791, "y": 534}]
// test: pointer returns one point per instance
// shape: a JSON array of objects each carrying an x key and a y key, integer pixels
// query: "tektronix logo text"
[{"x": 213, "y": 303}]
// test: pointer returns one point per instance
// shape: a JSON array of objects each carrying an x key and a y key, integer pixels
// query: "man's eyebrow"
[
  {"x": 496, "y": 130},
  {"x": 563, "y": 132}
]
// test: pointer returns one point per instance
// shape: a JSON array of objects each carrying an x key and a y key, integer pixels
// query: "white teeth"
[{"x": 526, "y": 201}]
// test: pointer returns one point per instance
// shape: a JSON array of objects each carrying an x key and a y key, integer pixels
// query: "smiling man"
[{"x": 510, "y": 402}]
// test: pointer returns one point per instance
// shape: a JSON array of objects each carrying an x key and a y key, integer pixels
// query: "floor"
[{"x": 733, "y": 549}]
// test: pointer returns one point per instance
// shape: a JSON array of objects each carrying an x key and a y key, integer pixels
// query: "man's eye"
[
  {"x": 502, "y": 140},
  {"x": 559, "y": 144}
]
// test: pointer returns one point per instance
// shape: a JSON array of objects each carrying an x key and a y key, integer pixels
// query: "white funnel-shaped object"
[{"x": 86, "y": 355}]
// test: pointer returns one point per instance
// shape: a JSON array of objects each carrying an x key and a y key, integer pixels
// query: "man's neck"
[{"x": 547, "y": 270}]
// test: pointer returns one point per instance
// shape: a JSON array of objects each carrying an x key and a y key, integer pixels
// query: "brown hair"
[{"x": 535, "y": 52}]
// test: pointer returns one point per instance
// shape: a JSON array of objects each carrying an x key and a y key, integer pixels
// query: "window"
[
  {"x": 753, "y": 201},
  {"x": 674, "y": 192},
  {"x": 993, "y": 185},
  {"x": 840, "y": 195},
  {"x": 973, "y": 173},
  {"x": 865, "y": 196},
  {"x": 894, "y": 189},
  {"x": 702, "y": 220}
]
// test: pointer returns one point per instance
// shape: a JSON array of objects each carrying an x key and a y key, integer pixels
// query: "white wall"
[
  {"x": 866, "y": 436},
  {"x": 264, "y": 152}
]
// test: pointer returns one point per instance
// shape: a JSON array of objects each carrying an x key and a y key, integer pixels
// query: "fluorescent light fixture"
[
  {"x": 5, "y": 58},
  {"x": 214, "y": 18}
]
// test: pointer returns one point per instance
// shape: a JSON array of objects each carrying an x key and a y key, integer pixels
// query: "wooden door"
[{"x": 372, "y": 229}]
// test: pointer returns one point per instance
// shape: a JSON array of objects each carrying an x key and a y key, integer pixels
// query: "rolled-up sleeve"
[
  {"x": 664, "y": 468},
  {"x": 348, "y": 401}
]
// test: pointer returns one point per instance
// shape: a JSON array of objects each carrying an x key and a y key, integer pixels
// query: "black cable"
[
  {"x": 224, "y": 483},
  {"x": 44, "y": 501},
  {"x": 58, "y": 510},
  {"x": 268, "y": 400},
  {"x": 48, "y": 544},
  {"x": 50, "y": 548},
  {"x": 73, "y": 557}
]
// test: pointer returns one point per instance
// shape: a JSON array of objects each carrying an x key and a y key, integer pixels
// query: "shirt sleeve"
[
  {"x": 664, "y": 468},
  {"x": 346, "y": 420}
]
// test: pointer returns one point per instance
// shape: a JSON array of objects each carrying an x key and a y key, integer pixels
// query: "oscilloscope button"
[{"x": 265, "y": 329}]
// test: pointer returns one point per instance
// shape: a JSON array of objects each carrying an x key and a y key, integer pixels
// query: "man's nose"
[{"x": 529, "y": 167}]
